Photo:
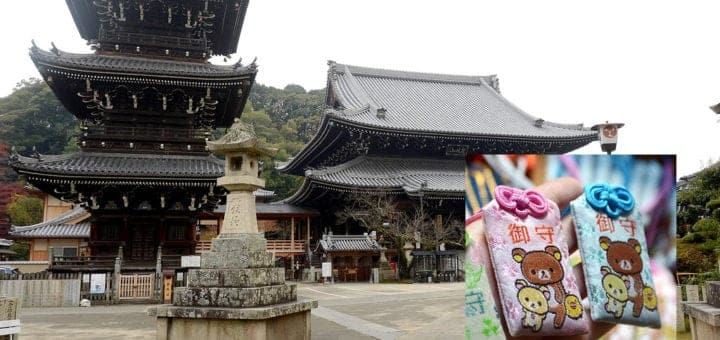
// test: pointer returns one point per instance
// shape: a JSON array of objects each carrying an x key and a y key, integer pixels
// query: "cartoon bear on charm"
[
  {"x": 616, "y": 289},
  {"x": 624, "y": 259},
  {"x": 534, "y": 302},
  {"x": 543, "y": 269}
]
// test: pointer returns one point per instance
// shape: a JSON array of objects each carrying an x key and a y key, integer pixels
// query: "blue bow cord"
[{"x": 609, "y": 199}]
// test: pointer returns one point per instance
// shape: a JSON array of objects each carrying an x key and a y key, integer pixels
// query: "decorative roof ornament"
[
  {"x": 253, "y": 65},
  {"x": 238, "y": 64},
  {"x": 54, "y": 49}
]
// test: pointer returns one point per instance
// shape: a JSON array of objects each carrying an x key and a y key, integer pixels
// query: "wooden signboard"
[{"x": 167, "y": 289}]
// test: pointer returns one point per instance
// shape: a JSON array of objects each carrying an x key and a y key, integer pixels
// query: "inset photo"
[{"x": 570, "y": 245}]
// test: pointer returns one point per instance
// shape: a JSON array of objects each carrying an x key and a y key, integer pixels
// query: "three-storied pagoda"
[{"x": 147, "y": 100}]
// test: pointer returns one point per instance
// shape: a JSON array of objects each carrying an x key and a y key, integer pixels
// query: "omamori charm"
[
  {"x": 538, "y": 291},
  {"x": 611, "y": 238}
]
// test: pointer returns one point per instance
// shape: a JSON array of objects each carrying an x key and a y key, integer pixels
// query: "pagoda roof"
[
  {"x": 337, "y": 243},
  {"x": 119, "y": 166},
  {"x": 72, "y": 224},
  {"x": 426, "y": 105},
  {"x": 427, "y": 177},
  {"x": 112, "y": 66},
  {"x": 228, "y": 22}
]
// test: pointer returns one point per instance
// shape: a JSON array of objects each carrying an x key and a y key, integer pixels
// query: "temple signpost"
[{"x": 236, "y": 293}]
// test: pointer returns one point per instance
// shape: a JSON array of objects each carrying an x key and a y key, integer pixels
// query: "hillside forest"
[{"x": 698, "y": 215}]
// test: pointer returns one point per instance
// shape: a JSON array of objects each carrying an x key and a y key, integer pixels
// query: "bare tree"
[
  {"x": 373, "y": 210},
  {"x": 379, "y": 211}
]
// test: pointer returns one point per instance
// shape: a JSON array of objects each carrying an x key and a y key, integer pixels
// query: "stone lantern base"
[
  {"x": 236, "y": 294},
  {"x": 283, "y": 321}
]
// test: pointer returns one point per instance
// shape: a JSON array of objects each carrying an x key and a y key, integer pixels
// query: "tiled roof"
[
  {"x": 468, "y": 105},
  {"x": 124, "y": 165},
  {"x": 116, "y": 65},
  {"x": 59, "y": 227},
  {"x": 412, "y": 175},
  {"x": 331, "y": 243}
]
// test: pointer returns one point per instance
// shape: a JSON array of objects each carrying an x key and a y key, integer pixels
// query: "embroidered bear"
[
  {"x": 534, "y": 302},
  {"x": 624, "y": 258},
  {"x": 543, "y": 268},
  {"x": 616, "y": 289}
]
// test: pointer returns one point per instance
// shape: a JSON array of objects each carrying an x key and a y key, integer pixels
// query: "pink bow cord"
[{"x": 521, "y": 203}]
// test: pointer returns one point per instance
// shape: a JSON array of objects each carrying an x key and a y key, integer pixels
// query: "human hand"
[{"x": 562, "y": 191}]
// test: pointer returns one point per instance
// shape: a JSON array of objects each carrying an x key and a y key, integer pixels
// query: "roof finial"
[
  {"x": 34, "y": 46},
  {"x": 36, "y": 154},
  {"x": 238, "y": 64},
  {"x": 54, "y": 49}
]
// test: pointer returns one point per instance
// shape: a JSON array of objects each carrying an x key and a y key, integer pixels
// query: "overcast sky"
[{"x": 653, "y": 65}]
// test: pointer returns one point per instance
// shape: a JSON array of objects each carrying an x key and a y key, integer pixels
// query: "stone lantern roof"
[{"x": 240, "y": 137}]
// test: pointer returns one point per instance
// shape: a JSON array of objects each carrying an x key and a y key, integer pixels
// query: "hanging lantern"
[{"x": 607, "y": 134}]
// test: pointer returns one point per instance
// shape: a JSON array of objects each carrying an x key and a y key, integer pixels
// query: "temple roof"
[
  {"x": 72, "y": 224},
  {"x": 137, "y": 66},
  {"x": 414, "y": 101},
  {"x": 441, "y": 110},
  {"x": 117, "y": 166},
  {"x": 333, "y": 243},
  {"x": 414, "y": 177}
]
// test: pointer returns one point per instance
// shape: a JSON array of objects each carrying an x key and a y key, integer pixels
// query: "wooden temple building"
[
  {"x": 406, "y": 133},
  {"x": 147, "y": 100}
]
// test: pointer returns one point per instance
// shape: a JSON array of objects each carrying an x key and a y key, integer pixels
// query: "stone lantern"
[{"x": 237, "y": 293}]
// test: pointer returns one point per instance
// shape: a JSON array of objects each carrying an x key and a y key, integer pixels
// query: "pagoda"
[
  {"x": 147, "y": 100},
  {"x": 407, "y": 134}
]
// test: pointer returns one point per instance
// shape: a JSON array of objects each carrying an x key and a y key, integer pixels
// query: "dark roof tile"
[
  {"x": 122, "y": 164},
  {"x": 467, "y": 105}
]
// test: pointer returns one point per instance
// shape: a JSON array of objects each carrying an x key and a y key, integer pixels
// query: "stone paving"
[{"x": 347, "y": 311}]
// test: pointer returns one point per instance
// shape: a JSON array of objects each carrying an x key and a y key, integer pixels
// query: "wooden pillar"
[
  {"x": 292, "y": 244},
  {"x": 307, "y": 236}
]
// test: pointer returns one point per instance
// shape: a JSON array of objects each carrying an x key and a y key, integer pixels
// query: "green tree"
[
  {"x": 25, "y": 210},
  {"x": 690, "y": 259},
  {"x": 31, "y": 116},
  {"x": 21, "y": 249}
]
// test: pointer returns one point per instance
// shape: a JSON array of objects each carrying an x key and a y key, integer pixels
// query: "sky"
[{"x": 652, "y": 65}]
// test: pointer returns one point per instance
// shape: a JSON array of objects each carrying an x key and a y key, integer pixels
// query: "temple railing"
[
  {"x": 168, "y": 134},
  {"x": 202, "y": 246},
  {"x": 152, "y": 40},
  {"x": 286, "y": 246}
]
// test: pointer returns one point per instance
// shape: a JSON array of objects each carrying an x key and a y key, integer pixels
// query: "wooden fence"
[
  {"x": 688, "y": 293},
  {"x": 43, "y": 293},
  {"x": 45, "y": 289}
]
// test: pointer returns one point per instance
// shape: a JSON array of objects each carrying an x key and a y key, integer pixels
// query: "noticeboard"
[
  {"x": 192, "y": 261},
  {"x": 326, "y": 269},
  {"x": 97, "y": 283}
]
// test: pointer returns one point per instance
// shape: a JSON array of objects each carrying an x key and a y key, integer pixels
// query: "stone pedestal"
[
  {"x": 705, "y": 316},
  {"x": 235, "y": 294}
]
